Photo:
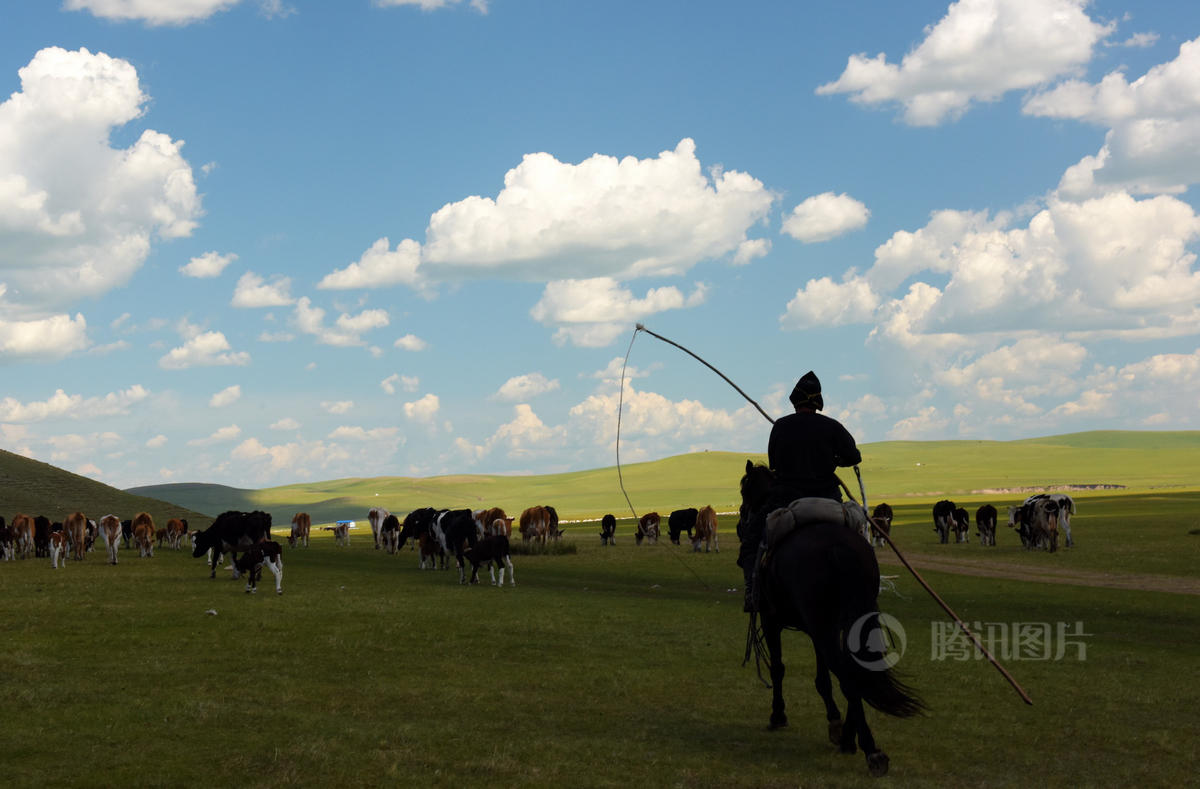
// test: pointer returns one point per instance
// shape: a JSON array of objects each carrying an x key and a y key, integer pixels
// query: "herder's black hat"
[{"x": 808, "y": 392}]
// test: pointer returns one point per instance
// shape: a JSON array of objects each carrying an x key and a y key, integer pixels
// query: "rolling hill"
[
  {"x": 1132, "y": 460},
  {"x": 37, "y": 488}
]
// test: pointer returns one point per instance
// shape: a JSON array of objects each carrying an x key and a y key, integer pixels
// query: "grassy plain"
[
  {"x": 607, "y": 667},
  {"x": 604, "y": 667}
]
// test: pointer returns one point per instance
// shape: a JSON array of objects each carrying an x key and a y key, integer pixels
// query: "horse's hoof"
[
  {"x": 877, "y": 764},
  {"x": 835, "y": 732},
  {"x": 777, "y": 722}
]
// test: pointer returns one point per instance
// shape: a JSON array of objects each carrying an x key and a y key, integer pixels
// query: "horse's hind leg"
[
  {"x": 772, "y": 634},
  {"x": 825, "y": 689},
  {"x": 856, "y": 728}
]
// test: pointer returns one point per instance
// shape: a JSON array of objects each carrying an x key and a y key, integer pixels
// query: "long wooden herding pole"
[{"x": 974, "y": 639}]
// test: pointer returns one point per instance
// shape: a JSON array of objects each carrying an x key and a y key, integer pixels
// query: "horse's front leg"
[{"x": 773, "y": 633}]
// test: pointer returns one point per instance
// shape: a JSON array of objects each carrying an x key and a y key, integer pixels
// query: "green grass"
[{"x": 610, "y": 666}]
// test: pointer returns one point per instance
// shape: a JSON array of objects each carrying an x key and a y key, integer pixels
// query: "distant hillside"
[
  {"x": 202, "y": 497},
  {"x": 37, "y": 488},
  {"x": 891, "y": 469}
]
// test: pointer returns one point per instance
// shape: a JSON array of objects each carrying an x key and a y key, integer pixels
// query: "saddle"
[{"x": 807, "y": 511}]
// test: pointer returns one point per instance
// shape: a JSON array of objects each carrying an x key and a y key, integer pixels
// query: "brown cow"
[
  {"x": 705, "y": 530},
  {"x": 485, "y": 520},
  {"x": 22, "y": 536},
  {"x": 647, "y": 528},
  {"x": 143, "y": 534},
  {"x": 76, "y": 528},
  {"x": 176, "y": 531},
  {"x": 301, "y": 525},
  {"x": 110, "y": 527},
  {"x": 535, "y": 524}
]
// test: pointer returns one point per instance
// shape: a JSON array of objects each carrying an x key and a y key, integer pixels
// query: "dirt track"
[{"x": 1145, "y": 583}]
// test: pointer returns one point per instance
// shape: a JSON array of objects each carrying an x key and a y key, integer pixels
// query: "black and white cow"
[
  {"x": 962, "y": 525},
  {"x": 455, "y": 531},
  {"x": 389, "y": 533},
  {"x": 493, "y": 551},
  {"x": 681, "y": 521},
  {"x": 881, "y": 516},
  {"x": 232, "y": 532},
  {"x": 1036, "y": 520},
  {"x": 608, "y": 530},
  {"x": 267, "y": 552},
  {"x": 985, "y": 521},
  {"x": 943, "y": 519}
]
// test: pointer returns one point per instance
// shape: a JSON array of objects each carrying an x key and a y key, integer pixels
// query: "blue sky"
[{"x": 256, "y": 242}]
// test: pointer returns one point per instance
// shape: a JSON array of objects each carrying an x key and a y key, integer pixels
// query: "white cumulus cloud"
[
  {"x": 594, "y": 312},
  {"x": 524, "y": 387},
  {"x": 253, "y": 291},
  {"x": 825, "y": 216},
  {"x": 222, "y": 435},
  {"x": 423, "y": 410},
  {"x": 208, "y": 265},
  {"x": 207, "y": 349},
  {"x": 152, "y": 12},
  {"x": 62, "y": 405},
  {"x": 78, "y": 216},
  {"x": 979, "y": 51},
  {"x": 1153, "y": 141},
  {"x": 227, "y": 396}
]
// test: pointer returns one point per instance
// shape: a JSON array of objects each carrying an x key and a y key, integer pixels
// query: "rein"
[{"x": 754, "y": 642}]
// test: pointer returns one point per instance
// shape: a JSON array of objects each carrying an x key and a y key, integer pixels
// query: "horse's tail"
[{"x": 874, "y": 672}]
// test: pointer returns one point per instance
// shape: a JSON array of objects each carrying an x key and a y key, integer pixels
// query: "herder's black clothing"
[{"x": 805, "y": 450}]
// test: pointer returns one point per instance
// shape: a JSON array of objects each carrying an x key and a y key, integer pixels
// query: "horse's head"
[{"x": 755, "y": 485}]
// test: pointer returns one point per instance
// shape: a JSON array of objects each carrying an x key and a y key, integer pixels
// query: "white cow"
[{"x": 376, "y": 516}]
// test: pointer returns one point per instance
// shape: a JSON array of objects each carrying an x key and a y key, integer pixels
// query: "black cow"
[
  {"x": 943, "y": 519},
  {"x": 419, "y": 528},
  {"x": 681, "y": 521},
  {"x": 267, "y": 552},
  {"x": 126, "y": 531},
  {"x": 492, "y": 550},
  {"x": 608, "y": 530},
  {"x": 985, "y": 521},
  {"x": 455, "y": 530},
  {"x": 232, "y": 532},
  {"x": 41, "y": 536},
  {"x": 553, "y": 532}
]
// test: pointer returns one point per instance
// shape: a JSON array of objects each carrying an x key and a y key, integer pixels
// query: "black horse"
[{"x": 823, "y": 579}]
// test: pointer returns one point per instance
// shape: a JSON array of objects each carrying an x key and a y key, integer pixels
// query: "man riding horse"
[{"x": 804, "y": 450}]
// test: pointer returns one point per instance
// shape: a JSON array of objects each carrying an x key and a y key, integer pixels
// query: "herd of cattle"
[
  {"x": 477, "y": 537},
  {"x": 1037, "y": 521},
  {"x": 700, "y": 525}
]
